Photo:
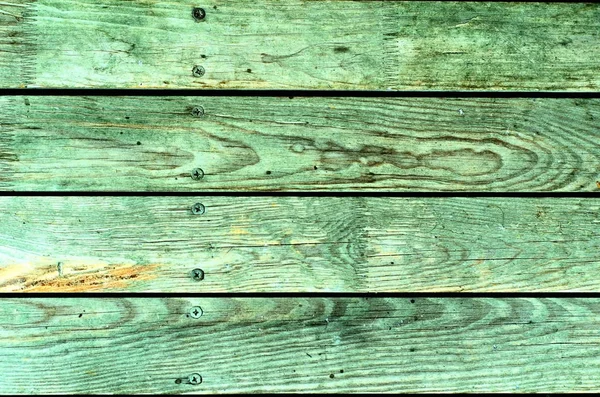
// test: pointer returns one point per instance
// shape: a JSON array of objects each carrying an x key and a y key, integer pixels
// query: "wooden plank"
[
  {"x": 299, "y": 345},
  {"x": 300, "y": 144},
  {"x": 279, "y": 244},
  {"x": 296, "y": 44}
]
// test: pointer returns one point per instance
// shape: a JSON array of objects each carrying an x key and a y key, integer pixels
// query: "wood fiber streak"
[
  {"x": 328, "y": 44},
  {"x": 285, "y": 244},
  {"x": 299, "y": 144},
  {"x": 148, "y": 345},
  {"x": 17, "y": 43}
]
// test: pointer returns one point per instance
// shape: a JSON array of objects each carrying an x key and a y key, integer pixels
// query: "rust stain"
[
  {"x": 598, "y": 184},
  {"x": 115, "y": 278}
]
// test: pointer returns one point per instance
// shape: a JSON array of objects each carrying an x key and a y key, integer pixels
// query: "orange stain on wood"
[
  {"x": 238, "y": 231},
  {"x": 115, "y": 278}
]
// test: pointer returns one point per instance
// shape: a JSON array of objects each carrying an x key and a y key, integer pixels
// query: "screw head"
[
  {"x": 196, "y": 312},
  {"x": 198, "y": 13},
  {"x": 198, "y": 71},
  {"x": 198, "y": 111},
  {"x": 195, "y": 379},
  {"x": 198, "y": 209},
  {"x": 198, "y": 274},
  {"x": 197, "y": 174}
]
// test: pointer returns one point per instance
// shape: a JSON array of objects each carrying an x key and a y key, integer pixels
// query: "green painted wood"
[
  {"x": 328, "y": 44},
  {"x": 304, "y": 244},
  {"x": 299, "y": 345},
  {"x": 300, "y": 144}
]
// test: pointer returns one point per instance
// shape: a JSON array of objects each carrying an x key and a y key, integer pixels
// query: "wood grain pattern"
[
  {"x": 282, "y": 244},
  {"x": 328, "y": 44},
  {"x": 300, "y": 144},
  {"x": 299, "y": 345}
]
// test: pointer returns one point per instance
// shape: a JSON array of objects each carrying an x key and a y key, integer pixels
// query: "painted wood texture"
[
  {"x": 314, "y": 244},
  {"x": 299, "y": 345},
  {"x": 302, "y": 144},
  {"x": 329, "y": 44}
]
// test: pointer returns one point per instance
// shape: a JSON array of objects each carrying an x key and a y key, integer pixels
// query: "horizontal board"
[
  {"x": 299, "y": 144},
  {"x": 283, "y": 244},
  {"x": 327, "y": 44},
  {"x": 298, "y": 345}
]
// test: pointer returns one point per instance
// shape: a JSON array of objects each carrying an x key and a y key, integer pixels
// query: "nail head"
[
  {"x": 198, "y": 209},
  {"x": 196, "y": 312},
  {"x": 195, "y": 379},
  {"x": 198, "y": 13},
  {"x": 197, "y": 174},
  {"x": 198, "y": 274},
  {"x": 198, "y": 71},
  {"x": 198, "y": 111}
]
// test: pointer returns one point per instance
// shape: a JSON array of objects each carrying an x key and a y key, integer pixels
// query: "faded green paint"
[
  {"x": 149, "y": 345},
  {"x": 299, "y": 144},
  {"x": 304, "y": 244},
  {"x": 282, "y": 244},
  {"x": 329, "y": 44}
]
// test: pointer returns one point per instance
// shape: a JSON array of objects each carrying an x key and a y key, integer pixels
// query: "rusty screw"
[
  {"x": 198, "y": 13},
  {"x": 198, "y": 209},
  {"x": 197, "y": 174},
  {"x": 196, "y": 312},
  {"x": 198, "y": 71},
  {"x": 198, "y": 274},
  {"x": 195, "y": 379},
  {"x": 198, "y": 111}
]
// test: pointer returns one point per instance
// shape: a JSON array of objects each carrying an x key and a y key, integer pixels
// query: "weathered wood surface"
[
  {"x": 301, "y": 144},
  {"x": 299, "y": 345},
  {"x": 283, "y": 244},
  {"x": 330, "y": 44}
]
